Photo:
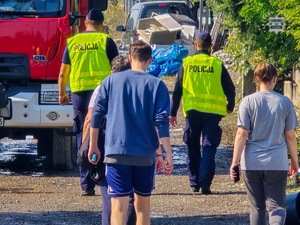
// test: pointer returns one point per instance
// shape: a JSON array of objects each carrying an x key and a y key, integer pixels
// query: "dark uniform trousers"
[
  {"x": 80, "y": 102},
  {"x": 201, "y": 167}
]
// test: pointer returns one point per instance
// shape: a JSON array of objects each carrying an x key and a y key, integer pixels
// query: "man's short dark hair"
[
  {"x": 203, "y": 44},
  {"x": 140, "y": 50},
  {"x": 120, "y": 63}
]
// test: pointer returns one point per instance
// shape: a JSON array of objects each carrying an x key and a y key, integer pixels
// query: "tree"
[
  {"x": 291, "y": 11},
  {"x": 250, "y": 41}
]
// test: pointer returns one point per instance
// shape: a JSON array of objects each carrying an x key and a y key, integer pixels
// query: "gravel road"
[{"x": 55, "y": 199}]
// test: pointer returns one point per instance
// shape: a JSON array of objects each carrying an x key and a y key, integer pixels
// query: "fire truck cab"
[{"x": 32, "y": 41}]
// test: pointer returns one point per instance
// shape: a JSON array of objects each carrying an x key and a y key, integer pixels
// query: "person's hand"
[
  {"x": 173, "y": 120},
  {"x": 228, "y": 111},
  {"x": 94, "y": 151},
  {"x": 233, "y": 174},
  {"x": 293, "y": 170},
  {"x": 159, "y": 163},
  {"x": 64, "y": 99},
  {"x": 168, "y": 164}
]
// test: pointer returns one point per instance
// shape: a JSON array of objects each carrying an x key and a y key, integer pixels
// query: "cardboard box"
[
  {"x": 188, "y": 28},
  {"x": 187, "y": 35},
  {"x": 168, "y": 21},
  {"x": 161, "y": 29}
]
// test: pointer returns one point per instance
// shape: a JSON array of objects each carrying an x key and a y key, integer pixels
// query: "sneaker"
[
  {"x": 87, "y": 193},
  {"x": 195, "y": 189},
  {"x": 206, "y": 191}
]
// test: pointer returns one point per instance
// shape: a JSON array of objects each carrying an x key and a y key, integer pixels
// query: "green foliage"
[
  {"x": 250, "y": 41},
  {"x": 291, "y": 11},
  {"x": 114, "y": 2},
  {"x": 291, "y": 187},
  {"x": 114, "y": 16}
]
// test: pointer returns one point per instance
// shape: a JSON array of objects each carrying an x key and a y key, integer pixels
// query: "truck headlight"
[{"x": 6, "y": 111}]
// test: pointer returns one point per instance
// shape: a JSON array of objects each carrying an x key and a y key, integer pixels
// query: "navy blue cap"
[
  {"x": 204, "y": 36},
  {"x": 95, "y": 14}
]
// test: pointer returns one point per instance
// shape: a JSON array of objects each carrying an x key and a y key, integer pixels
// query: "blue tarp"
[{"x": 167, "y": 61}]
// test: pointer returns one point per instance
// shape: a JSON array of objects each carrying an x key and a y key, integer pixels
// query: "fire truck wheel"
[
  {"x": 62, "y": 146},
  {"x": 44, "y": 144},
  {"x": 74, "y": 151}
]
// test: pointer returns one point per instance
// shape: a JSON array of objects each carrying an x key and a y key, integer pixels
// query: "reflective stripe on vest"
[
  {"x": 89, "y": 62},
  {"x": 202, "y": 87}
]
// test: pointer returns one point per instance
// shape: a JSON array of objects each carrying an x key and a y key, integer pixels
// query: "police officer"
[
  {"x": 86, "y": 62},
  {"x": 208, "y": 94}
]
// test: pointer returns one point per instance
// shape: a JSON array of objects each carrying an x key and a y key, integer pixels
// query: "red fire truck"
[{"x": 33, "y": 36}]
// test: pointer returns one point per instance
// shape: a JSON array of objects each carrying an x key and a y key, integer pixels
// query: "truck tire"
[
  {"x": 44, "y": 144},
  {"x": 74, "y": 151},
  {"x": 62, "y": 149}
]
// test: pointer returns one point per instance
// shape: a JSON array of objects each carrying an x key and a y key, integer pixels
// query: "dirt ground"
[{"x": 55, "y": 199}]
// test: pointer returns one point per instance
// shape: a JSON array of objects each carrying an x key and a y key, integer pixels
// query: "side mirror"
[
  {"x": 100, "y": 4},
  {"x": 120, "y": 28},
  {"x": 74, "y": 19}
]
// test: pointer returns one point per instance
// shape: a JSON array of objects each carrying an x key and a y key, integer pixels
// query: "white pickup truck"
[{"x": 179, "y": 10}]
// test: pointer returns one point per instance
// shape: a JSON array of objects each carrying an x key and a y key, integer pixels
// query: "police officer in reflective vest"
[
  {"x": 86, "y": 62},
  {"x": 208, "y": 94}
]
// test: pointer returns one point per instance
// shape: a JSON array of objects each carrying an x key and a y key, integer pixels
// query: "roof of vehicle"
[{"x": 138, "y": 5}]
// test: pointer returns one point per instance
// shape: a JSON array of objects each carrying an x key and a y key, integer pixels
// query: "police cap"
[
  {"x": 204, "y": 36},
  {"x": 95, "y": 14}
]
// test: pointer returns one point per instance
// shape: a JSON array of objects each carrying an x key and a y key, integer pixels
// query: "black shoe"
[
  {"x": 195, "y": 189},
  {"x": 206, "y": 191},
  {"x": 87, "y": 193}
]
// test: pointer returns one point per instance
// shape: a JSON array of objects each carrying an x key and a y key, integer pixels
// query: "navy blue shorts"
[{"x": 123, "y": 180}]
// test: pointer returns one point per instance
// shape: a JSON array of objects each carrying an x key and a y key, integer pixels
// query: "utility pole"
[
  {"x": 127, "y": 6},
  {"x": 200, "y": 14}
]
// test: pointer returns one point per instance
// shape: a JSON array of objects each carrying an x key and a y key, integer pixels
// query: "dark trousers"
[
  {"x": 106, "y": 206},
  {"x": 80, "y": 106},
  {"x": 201, "y": 167},
  {"x": 266, "y": 191}
]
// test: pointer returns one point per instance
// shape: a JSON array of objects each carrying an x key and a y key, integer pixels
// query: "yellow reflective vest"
[
  {"x": 89, "y": 62},
  {"x": 201, "y": 85}
]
